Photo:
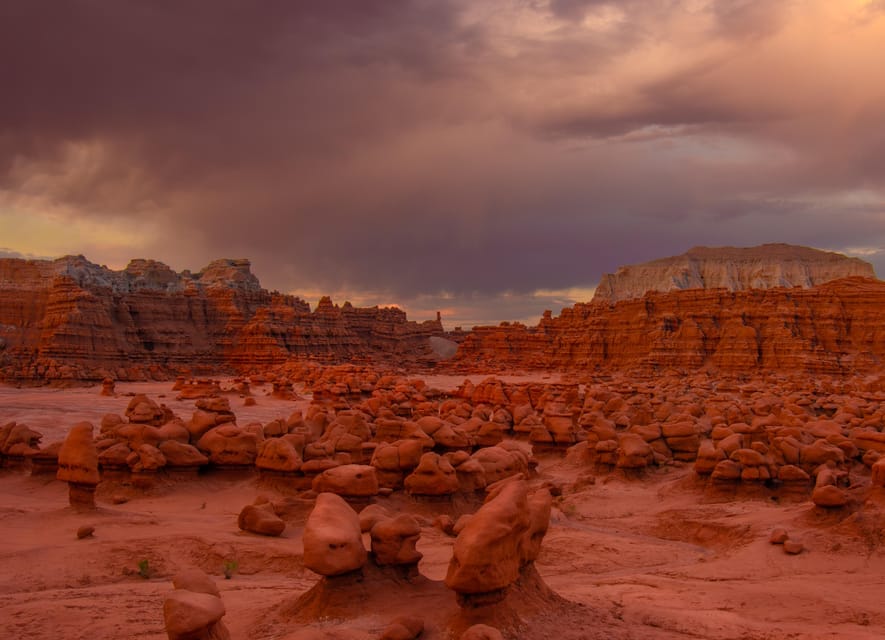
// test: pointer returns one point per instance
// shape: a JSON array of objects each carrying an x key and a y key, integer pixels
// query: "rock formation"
[
  {"x": 193, "y": 611},
  {"x": 70, "y": 319},
  {"x": 731, "y": 268},
  {"x": 498, "y": 542},
  {"x": 333, "y": 543},
  {"x": 833, "y": 328},
  {"x": 78, "y": 466}
]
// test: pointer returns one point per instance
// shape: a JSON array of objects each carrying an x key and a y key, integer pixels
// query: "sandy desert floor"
[{"x": 656, "y": 556}]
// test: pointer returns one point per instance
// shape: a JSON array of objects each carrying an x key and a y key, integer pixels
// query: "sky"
[{"x": 487, "y": 159}]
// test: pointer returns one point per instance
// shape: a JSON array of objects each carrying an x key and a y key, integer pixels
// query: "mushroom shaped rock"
[
  {"x": 191, "y": 615},
  {"x": 78, "y": 465},
  {"x": 486, "y": 555},
  {"x": 434, "y": 476},
  {"x": 333, "y": 543},
  {"x": 143, "y": 410},
  {"x": 354, "y": 480},
  {"x": 394, "y": 540},
  {"x": 278, "y": 454},
  {"x": 260, "y": 519},
  {"x": 107, "y": 387}
]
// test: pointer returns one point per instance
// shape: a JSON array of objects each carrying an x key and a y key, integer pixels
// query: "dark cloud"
[
  {"x": 574, "y": 9},
  {"x": 427, "y": 149}
]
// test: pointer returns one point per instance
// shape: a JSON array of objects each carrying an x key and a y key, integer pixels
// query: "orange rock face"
[
  {"x": 69, "y": 319},
  {"x": 835, "y": 328}
]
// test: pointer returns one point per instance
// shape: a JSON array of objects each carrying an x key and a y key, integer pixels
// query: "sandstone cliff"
[
  {"x": 72, "y": 319},
  {"x": 731, "y": 268},
  {"x": 834, "y": 328}
]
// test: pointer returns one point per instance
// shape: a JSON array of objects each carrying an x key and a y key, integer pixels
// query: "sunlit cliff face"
[{"x": 477, "y": 153}]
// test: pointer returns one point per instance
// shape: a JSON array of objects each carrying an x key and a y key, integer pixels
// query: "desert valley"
[{"x": 696, "y": 452}]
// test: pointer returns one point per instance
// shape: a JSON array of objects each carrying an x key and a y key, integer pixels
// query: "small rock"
[
  {"x": 482, "y": 632},
  {"x": 793, "y": 547},
  {"x": 261, "y": 519},
  {"x": 85, "y": 531},
  {"x": 445, "y": 524},
  {"x": 403, "y": 628},
  {"x": 778, "y": 536}
]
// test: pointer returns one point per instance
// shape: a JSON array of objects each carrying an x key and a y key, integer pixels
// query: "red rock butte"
[
  {"x": 835, "y": 328},
  {"x": 70, "y": 319}
]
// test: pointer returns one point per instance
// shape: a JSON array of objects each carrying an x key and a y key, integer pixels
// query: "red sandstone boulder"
[
  {"x": 486, "y": 555},
  {"x": 228, "y": 445},
  {"x": 434, "y": 476},
  {"x": 333, "y": 542},
  {"x": 182, "y": 455},
  {"x": 500, "y": 462},
  {"x": 18, "y": 440},
  {"x": 146, "y": 458},
  {"x": 260, "y": 519},
  {"x": 143, "y": 410},
  {"x": 394, "y": 540},
  {"x": 279, "y": 455},
  {"x": 190, "y": 615},
  {"x": 352, "y": 480}
]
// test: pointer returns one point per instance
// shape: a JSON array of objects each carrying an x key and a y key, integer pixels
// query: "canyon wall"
[
  {"x": 735, "y": 269},
  {"x": 835, "y": 328},
  {"x": 72, "y": 319}
]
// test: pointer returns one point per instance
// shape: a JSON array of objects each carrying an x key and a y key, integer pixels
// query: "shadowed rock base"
[
  {"x": 512, "y": 610},
  {"x": 527, "y": 609},
  {"x": 81, "y": 496}
]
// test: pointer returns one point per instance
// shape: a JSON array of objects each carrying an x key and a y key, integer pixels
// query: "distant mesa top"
[
  {"x": 139, "y": 274},
  {"x": 732, "y": 268}
]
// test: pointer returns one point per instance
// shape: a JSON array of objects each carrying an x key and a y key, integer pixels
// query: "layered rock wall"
[
  {"x": 834, "y": 328},
  {"x": 72, "y": 319}
]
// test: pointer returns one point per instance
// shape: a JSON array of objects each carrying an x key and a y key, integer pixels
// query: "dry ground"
[{"x": 659, "y": 557}]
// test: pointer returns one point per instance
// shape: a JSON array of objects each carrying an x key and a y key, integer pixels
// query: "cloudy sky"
[{"x": 489, "y": 159}]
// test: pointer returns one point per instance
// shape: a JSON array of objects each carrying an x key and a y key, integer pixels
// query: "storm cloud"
[{"x": 490, "y": 159}]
